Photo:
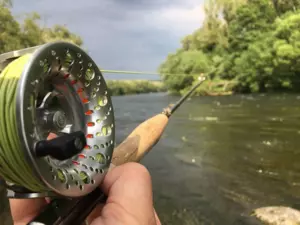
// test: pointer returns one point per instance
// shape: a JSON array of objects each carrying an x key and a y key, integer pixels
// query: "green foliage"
[
  {"x": 59, "y": 32},
  {"x": 125, "y": 87},
  {"x": 256, "y": 44},
  {"x": 6, "y": 3},
  {"x": 10, "y": 31},
  {"x": 229, "y": 8},
  {"x": 29, "y": 33},
  {"x": 251, "y": 22},
  {"x": 180, "y": 69},
  {"x": 283, "y": 6}
]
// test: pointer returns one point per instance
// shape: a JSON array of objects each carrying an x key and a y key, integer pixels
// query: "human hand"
[{"x": 129, "y": 202}]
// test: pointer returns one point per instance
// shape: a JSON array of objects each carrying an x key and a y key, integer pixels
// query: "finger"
[
  {"x": 129, "y": 191},
  {"x": 24, "y": 210},
  {"x": 97, "y": 211}
]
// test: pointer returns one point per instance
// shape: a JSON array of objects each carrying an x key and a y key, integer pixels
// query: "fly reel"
[{"x": 57, "y": 122}]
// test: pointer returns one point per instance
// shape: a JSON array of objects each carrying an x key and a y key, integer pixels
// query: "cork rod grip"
[{"x": 140, "y": 141}]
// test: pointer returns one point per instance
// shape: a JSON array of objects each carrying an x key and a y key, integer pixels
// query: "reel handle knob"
[{"x": 63, "y": 147}]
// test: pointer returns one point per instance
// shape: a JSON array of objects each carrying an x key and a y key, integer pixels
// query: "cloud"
[
  {"x": 179, "y": 20},
  {"x": 119, "y": 34}
]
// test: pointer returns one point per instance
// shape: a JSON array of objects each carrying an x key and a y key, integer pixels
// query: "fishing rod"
[{"x": 57, "y": 137}]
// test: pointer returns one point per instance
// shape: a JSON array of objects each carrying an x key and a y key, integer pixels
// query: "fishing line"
[{"x": 13, "y": 167}]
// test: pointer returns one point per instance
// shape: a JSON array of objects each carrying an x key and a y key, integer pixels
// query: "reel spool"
[{"x": 61, "y": 92}]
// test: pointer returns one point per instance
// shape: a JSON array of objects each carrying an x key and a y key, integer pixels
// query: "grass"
[{"x": 126, "y": 87}]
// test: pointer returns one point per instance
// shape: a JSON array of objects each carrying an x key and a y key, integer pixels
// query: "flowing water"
[{"x": 220, "y": 157}]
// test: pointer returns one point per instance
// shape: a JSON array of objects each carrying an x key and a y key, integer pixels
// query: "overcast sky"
[{"x": 122, "y": 34}]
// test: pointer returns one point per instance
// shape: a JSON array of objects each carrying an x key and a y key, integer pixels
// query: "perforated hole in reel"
[{"x": 63, "y": 91}]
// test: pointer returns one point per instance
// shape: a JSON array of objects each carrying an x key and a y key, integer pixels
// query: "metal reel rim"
[{"x": 21, "y": 115}]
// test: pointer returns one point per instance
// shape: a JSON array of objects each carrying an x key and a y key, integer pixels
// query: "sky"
[{"x": 134, "y": 35}]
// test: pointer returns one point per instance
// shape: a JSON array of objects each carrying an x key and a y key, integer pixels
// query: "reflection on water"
[{"x": 220, "y": 157}]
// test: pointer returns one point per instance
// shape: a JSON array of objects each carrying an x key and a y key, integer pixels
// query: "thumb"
[{"x": 130, "y": 200}]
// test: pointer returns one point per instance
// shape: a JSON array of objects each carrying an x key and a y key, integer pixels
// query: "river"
[{"x": 220, "y": 157}]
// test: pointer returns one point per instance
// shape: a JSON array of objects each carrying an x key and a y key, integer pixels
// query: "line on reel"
[{"x": 57, "y": 122}]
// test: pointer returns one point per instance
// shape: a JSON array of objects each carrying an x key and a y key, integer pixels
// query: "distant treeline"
[
  {"x": 254, "y": 46},
  {"x": 125, "y": 87}
]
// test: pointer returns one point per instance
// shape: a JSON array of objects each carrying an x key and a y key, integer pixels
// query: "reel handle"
[{"x": 63, "y": 147}]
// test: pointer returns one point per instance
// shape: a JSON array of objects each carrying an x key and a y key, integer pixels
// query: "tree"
[
  {"x": 287, "y": 48},
  {"x": 6, "y": 3},
  {"x": 254, "y": 68},
  {"x": 255, "y": 43},
  {"x": 10, "y": 32},
  {"x": 229, "y": 7},
  {"x": 14, "y": 35},
  {"x": 251, "y": 22},
  {"x": 182, "y": 68},
  {"x": 283, "y": 6},
  {"x": 59, "y": 32},
  {"x": 31, "y": 32}
]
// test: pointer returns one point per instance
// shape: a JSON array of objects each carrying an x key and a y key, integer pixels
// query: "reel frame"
[{"x": 85, "y": 105}]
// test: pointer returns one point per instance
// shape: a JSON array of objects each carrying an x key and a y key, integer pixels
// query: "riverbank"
[
  {"x": 126, "y": 87},
  {"x": 210, "y": 87},
  {"x": 224, "y": 87}
]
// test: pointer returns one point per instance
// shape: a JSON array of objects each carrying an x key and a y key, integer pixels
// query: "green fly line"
[{"x": 14, "y": 168}]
